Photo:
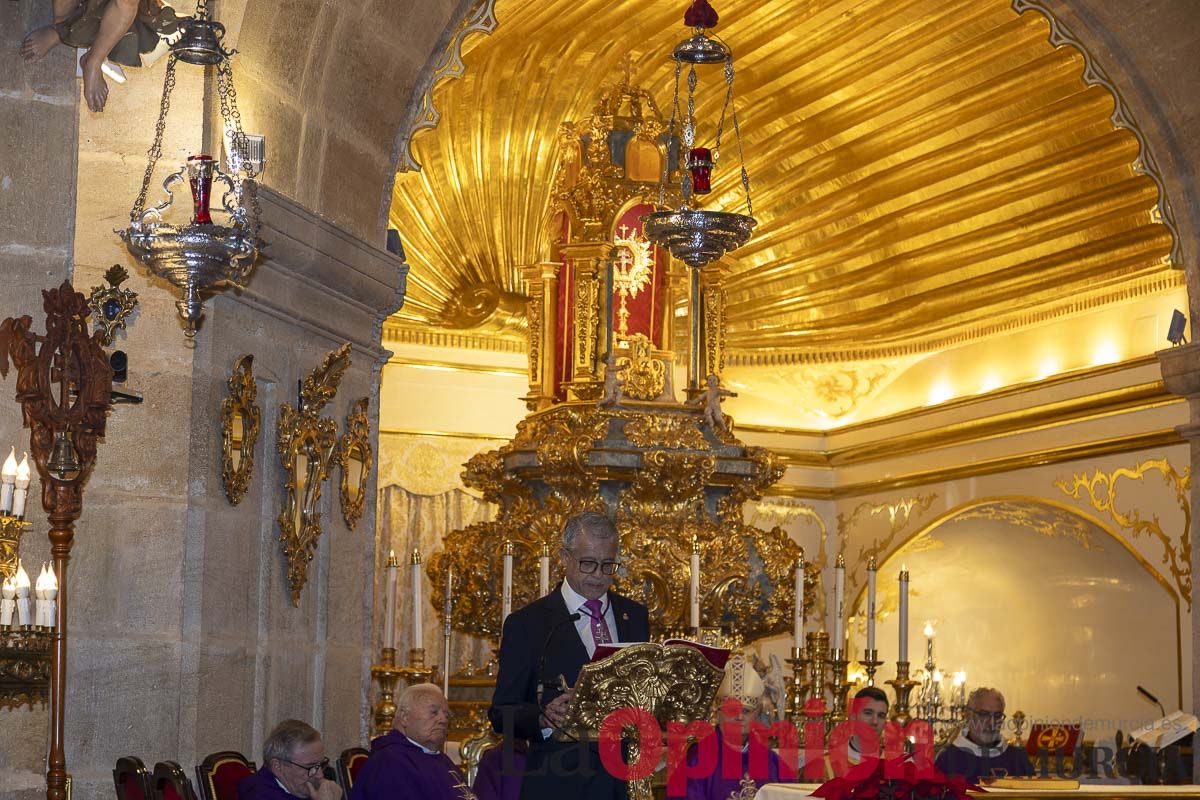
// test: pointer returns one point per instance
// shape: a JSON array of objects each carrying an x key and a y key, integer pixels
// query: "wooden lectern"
[{"x": 674, "y": 682}]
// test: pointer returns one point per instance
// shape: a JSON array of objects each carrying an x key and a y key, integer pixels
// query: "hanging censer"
[
  {"x": 697, "y": 236},
  {"x": 205, "y": 254}
]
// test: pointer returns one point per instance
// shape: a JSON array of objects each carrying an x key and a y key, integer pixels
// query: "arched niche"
[{"x": 1041, "y": 601}]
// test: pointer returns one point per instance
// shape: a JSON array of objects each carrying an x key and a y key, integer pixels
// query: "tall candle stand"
[
  {"x": 798, "y": 687},
  {"x": 838, "y": 683},
  {"x": 818, "y": 654},
  {"x": 387, "y": 675},
  {"x": 902, "y": 685},
  {"x": 870, "y": 662}
]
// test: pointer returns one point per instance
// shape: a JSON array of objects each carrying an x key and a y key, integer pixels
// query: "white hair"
[
  {"x": 980, "y": 692},
  {"x": 411, "y": 694}
]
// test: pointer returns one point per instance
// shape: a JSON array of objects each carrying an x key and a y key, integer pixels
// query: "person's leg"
[
  {"x": 42, "y": 40},
  {"x": 117, "y": 19}
]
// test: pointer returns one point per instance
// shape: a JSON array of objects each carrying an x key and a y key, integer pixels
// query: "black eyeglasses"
[
  {"x": 994, "y": 716},
  {"x": 311, "y": 768},
  {"x": 589, "y": 565}
]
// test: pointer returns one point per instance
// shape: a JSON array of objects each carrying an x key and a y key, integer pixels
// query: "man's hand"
[
  {"x": 556, "y": 710},
  {"x": 321, "y": 789}
]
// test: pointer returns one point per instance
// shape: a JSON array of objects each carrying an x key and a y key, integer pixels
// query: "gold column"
[
  {"x": 712, "y": 321},
  {"x": 542, "y": 311},
  {"x": 591, "y": 308}
]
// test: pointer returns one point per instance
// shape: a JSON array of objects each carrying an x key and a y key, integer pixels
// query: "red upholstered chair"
[
  {"x": 131, "y": 779},
  {"x": 170, "y": 783},
  {"x": 218, "y": 775},
  {"x": 348, "y": 765}
]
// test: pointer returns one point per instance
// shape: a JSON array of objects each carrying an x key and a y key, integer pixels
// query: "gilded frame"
[
  {"x": 357, "y": 437},
  {"x": 241, "y": 403},
  {"x": 303, "y": 433}
]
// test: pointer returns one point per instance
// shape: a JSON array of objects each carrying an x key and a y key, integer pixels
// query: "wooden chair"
[
  {"x": 131, "y": 779},
  {"x": 219, "y": 774},
  {"x": 348, "y": 764},
  {"x": 168, "y": 782}
]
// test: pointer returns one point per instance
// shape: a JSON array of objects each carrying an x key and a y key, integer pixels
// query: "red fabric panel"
[
  {"x": 131, "y": 787},
  {"x": 168, "y": 791},
  {"x": 357, "y": 763},
  {"x": 225, "y": 779}
]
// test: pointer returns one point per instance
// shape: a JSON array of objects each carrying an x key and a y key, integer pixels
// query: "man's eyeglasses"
[
  {"x": 991, "y": 716},
  {"x": 588, "y": 566},
  {"x": 311, "y": 768}
]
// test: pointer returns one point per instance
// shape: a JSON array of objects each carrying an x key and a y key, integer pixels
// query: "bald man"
[{"x": 408, "y": 761}]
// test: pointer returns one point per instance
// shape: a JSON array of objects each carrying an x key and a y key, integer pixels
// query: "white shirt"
[{"x": 575, "y": 603}]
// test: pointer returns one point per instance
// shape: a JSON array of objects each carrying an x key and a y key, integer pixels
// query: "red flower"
[
  {"x": 929, "y": 785},
  {"x": 700, "y": 15}
]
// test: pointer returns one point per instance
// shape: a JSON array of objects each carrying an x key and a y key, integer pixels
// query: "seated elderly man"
[
  {"x": 743, "y": 685},
  {"x": 980, "y": 751},
  {"x": 408, "y": 761},
  {"x": 294, "y": 764}
]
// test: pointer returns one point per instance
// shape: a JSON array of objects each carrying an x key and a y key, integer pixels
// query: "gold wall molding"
[
  {"x": 491, "y": 437},
  {"x": 1035, "y": 458},
  {"x": 1101, "y": 490},
  {"x": 397, "y": 332},
  {"x": 898, "y": 514},
  {"x": 455, "y": 366},
  {"x": 780, "y": 511},
  {"x": 1053, "y": 523}
]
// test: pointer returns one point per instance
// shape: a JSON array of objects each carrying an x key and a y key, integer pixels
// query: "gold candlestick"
[
  {"x": 870, "y": 662},
  {"x": 839, "y": 684},
  {"x": 797, "y": 688},
  {"x": 818, "y": 652},
  {"x": 387, "y": 674},
  {"x": 903, "y": 687}
]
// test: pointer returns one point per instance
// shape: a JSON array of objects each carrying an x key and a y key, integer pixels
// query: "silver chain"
[
  {"x": 728, "y": 98},
  {"x": 155, "y": 152},
  {"x": 662, "y": 181},
  {"x": 239, "y": 147}
]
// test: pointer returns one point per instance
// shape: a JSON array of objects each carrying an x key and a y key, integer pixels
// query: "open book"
[
  {"x": 717, "y": 656},
  {"x": 1166, "y": 731}
]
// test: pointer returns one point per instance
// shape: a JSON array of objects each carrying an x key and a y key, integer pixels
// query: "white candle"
[
  {"x": 51, "y": 593},
  {"x": 871, "y": 604},
  {"x": 22, "y": 581},
  {"x": 8, "y": 476},
  {"x": 544, "y": 572},
  {"x": 839, "y": 602},
  {"x": 506, "y": 589},
  {"x": 389, "y": 611},
  {"x": 902, "y": 649},
  {"x": 694, "y": 585},
  {"x": 418, "y": 641},
  {"x": 798, "y": 609},
  {"x": 18, "y": 509},
  {"x": 8, "y": 591}
]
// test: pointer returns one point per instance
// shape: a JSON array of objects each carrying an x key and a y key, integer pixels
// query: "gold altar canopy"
[{"x": 926, "y": 172}]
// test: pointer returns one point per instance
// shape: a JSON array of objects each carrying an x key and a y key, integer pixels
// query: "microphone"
[
  {"x": 545, "y": 646},
  {"x": 1152, "y": 699}
]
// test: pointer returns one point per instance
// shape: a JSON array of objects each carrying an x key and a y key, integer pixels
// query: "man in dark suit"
[{"x": 544, "y": 629}]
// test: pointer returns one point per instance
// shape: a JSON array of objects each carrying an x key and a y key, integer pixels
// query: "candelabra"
[
  {"x": 839, "y": 684},
  {"x": 798, "y": 687},
  {"x": 902, "y": 685},
  {"x": 818, "y": 654},
  {"x": 64, "y": 386},
  {"x": 387, "y": 675},
  {"x": 870, "y": 662}
]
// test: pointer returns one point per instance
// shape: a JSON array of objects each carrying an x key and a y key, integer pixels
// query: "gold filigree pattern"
[
  {"x": 1049, "y": 521},
  {"x": 899, "y": 515},
  {"x": 714, "y": 330},
  {"x": 1101, "y": 491},
  {"x": 642, "y": 376},
  {"x": 306, "y": 443},
  {"x": 11, "y": 530},
  {"x": 587, "y": 295},
  {"x": 669, "y": 431},
  {"x": 355, "y": 457},
  {"x": 533, "y": 309},
  {"x": 240, "y": 422}
]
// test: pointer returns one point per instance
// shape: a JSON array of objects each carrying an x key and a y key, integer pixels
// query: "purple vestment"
[
  {"x": 262, "y": 785},
  {"x": 399, "y": 768},
  {"x": 496, "y": 780},
  {"x": 967, "y": 759},
  {"x": 716, "y": 787}
]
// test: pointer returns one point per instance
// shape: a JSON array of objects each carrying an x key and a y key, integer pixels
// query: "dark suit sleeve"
[{"x": 514, "y": 708}]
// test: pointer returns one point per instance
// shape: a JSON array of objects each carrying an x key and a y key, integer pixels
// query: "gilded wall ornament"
[
  {"x": 355, "y": 457},
  {"x": 898, "y": 515},
  {"x": 111, "y": 304},
  {"x": 306, "y": 444},
  {"x": 240, "y": 420},
  {"x": 661, "y": 430},
  {"x": 1037, "y": 517},
  {"x": 11, "y": 530},
  {"x": 1101, "y": 491}
]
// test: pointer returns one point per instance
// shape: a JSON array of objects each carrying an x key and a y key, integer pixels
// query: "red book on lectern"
[
  {"x": 717, "y": 656},
  {"x": 1053, "y": 739}
]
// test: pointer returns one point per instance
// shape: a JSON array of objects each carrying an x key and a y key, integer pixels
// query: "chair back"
[
  {"x": 168, "y": 782},
  {"x": 131, "y": 779},
  {"x": 219, "y": 774},
  {"x": 348, "y": 764}
]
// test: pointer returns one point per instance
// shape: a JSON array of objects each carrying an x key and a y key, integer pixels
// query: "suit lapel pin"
[{"x": 625, "y": 616}]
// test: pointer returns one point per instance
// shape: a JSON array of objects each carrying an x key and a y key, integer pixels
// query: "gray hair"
[
  {"x": 415, "y": 692},
  {"x": 980, "y": 692},
  {"x": 287, "y": 737},
  {"x": 591, "y": 523}
]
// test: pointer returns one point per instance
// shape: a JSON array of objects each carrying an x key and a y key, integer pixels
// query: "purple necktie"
[{"x": 600, "y": 634}]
